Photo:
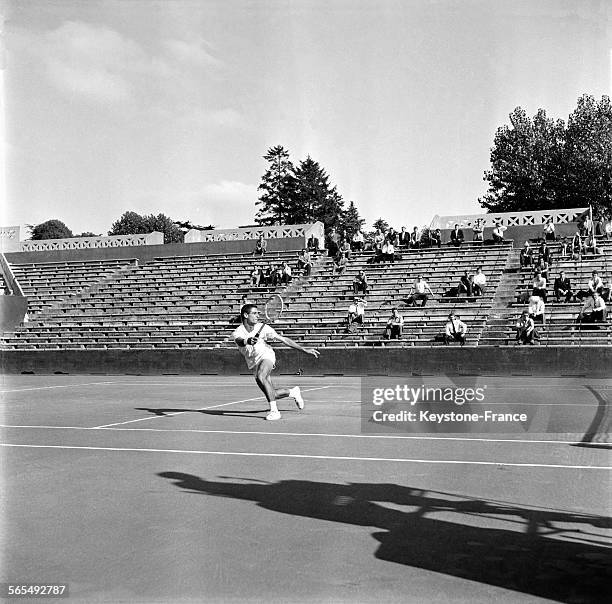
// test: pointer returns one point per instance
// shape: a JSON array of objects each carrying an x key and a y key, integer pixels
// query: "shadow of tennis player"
[{"x": 541, "y": 557}]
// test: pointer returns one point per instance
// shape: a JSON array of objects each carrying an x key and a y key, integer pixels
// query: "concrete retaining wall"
[
  {"x": 557, "y": 361},
  {"x": 145, "y": 253}
]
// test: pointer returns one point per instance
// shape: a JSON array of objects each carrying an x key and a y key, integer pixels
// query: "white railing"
[
  {"x": 85, "y": 243},
  {"x": 509, "y": 219},
  {"x": 270, "y": 232}
]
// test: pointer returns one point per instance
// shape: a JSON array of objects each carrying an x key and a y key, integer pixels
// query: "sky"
[{"x": 169, "y": 106}]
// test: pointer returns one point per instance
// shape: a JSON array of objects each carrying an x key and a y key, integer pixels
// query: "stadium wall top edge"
[{"x": 510, "y": 219}]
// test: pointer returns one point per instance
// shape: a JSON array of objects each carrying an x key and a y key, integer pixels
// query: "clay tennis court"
[{"x": 174, "y": 489}]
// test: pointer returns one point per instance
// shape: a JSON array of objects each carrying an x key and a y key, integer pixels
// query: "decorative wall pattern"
[
  {"x": 508, "y": 219},
  {"x": 82, "y": 243},
  {"x": 271, "y": 232}
]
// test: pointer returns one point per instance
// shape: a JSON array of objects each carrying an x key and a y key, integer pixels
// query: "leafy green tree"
[
  {"x": 132, "y": 223},
  {"x": 540, "y": 163},
  {"x": 51, "y": 229},
  {"x": 588, "y": 155},
  {"x": 87, "y": 234},
  {"x": 277, "y": 200},
  {"x": 526, "y": 164},
  {"x": 316, "y": 200}
]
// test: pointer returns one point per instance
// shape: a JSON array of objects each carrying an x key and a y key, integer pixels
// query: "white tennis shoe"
[
  {"x": 297, "y": 395},
  {"x": 273, "y": 415}
]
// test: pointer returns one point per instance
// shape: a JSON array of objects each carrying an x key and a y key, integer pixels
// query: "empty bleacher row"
[
  {"x": 187, "y": 302},
  {"x": 561, "y": 328}
]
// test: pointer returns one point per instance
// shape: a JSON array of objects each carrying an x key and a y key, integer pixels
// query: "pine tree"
[
  {"x": 277, "y": 202},
  {"x": 351, "y": 221}
]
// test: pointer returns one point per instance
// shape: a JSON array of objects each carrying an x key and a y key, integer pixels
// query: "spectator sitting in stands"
[
  {"x": 261, "y": 246},
  {"x": 268, "y": 278},
  {"x": 525, "y": 329},
  {"x": 415, "y": 239},
  {"x": 455, "y": 330},
  {"x": 480, "y": 282},
  {"x": 345, "y": 248},
  {"x": 358, "y": 241},
  {"x": 565, "y": 248},
  {"x": 285, "y": 274},
  {"x": 312, "y": 244},
  {"x": 526, "y": 257},
  {"x": 544, "y": 252},
  {"x": 404, "y": 237},
  {"x": 394, "y": 327},
  {"x": 595, "y": 284},
  {"x": 549, "y": 230},
  {"x": 420, "y": 289},
  {"x": 356, "y": 313},
  {"x": 563, "y": 288},
  {"x": 585, "y": 225},
  {"x": 577, "y": 245},
  {"x": 591, "y": 246},
  {"x": 478, "y": 230},
  {"x": 456, "y": 236},
  {"x": 388, "y": 252},
  {"x": 538, "y": 286},
  {"x": 466, "y": 284},
  {"x": 339, "y": 265},
  {"x": 498, "y": 233},
  {"x": 542, "y": 268},
  {"x": 255, "y": 276},
  {"x": 277, "y": 275},
  {"x": 304, "y": 262},
  {"x": 379, "y": 238},
  {"x": 608, "y": 228},
  {"x": 360, "y": 283},
  {"x": 435, "y": 238},
  {"x": 536, "y": 310},
  {"x": 593, "y": 311},
  {"x": 392, "y": 236}
]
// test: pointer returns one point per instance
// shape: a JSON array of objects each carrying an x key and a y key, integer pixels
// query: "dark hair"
[{"x": 246, "y": 309}]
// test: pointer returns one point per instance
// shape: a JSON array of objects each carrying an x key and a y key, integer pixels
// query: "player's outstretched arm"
[{"x": 289, "y": 342}]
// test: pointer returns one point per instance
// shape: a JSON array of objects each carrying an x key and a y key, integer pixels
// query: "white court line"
[
  {"x": 294, "y": 434},
  {"x": 51, "y": 387},
  {"x": 325, "y": 457},
  {"x": 246, "y": 400}
]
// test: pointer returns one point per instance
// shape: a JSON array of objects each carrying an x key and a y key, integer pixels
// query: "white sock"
[
  {"x": 273, "y": 406},
  {"x": 293, "y": 391}
]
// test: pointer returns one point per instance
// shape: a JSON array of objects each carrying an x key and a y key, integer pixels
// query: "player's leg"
[{"x": 263, "y": 378}]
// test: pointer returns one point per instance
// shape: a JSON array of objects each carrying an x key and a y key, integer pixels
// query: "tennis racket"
[{"x": 273, "y": 310}]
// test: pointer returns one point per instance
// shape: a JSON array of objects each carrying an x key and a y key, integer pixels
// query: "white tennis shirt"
[{"x": 261, "y": 350}]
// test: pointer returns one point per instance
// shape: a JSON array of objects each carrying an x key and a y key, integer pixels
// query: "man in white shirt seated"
[
  {"x": 595, "y": 284},
  {"x": 420, "y": 289},
  {"x": 549, "y": 230},
  {"x": 498, "y": 233},
  {"x": 593, "y": 311},
  {"x": 395, "y": 325},
  {"x": 356, "y": 313},
  {"x": 525, "y": 329},
  {"x": 539, "y": 286},
  {"x": 536, "y": 310},
  {"x": 358, "y": 241},
  {"x": 479, "y": 282},
  {"x": 455, "y": 330}
]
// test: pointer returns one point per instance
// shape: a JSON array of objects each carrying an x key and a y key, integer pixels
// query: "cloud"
[
  {"x": 93, "y": 61},
  {"x": 191, "y": 53}
]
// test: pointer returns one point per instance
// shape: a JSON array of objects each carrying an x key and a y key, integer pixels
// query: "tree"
[
  {"x": 87, "y": 234},
  {"x": 132, "y": 223},
  {"x": 51, "y": 229},
  {"x": 351, "y": 221},
  {"x": 277, "y": 201},
  {"x": 315, "y": 198},
  {"x": 381, "y": 224},
  {"x": 526, "y": 164},
  {"x": 540, "y": 164},
  {"x": 588, "y": 155}
]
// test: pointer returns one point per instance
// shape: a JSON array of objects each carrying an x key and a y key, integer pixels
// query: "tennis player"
[{"x": 260, "y": 357}]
